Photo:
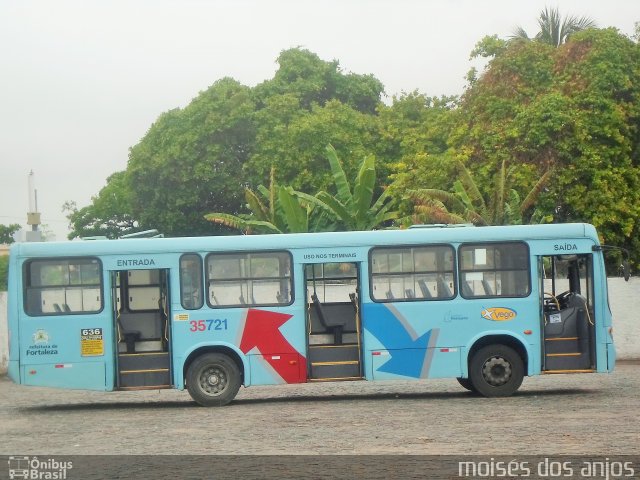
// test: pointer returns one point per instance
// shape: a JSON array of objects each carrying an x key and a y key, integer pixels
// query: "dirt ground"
[{"x": 554, "y": 414}]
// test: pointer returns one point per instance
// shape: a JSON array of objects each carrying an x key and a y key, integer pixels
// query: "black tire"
[
  {"x": 466, "y": 383},
  {"x": 213, "y": 380},
  {"x": 496, "y": 371}
]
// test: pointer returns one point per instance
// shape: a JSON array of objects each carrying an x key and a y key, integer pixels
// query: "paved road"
[{"x": 577, "y": 414}]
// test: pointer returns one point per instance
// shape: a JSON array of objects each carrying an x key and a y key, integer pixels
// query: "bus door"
[
  {"x": 568, "y": 313},
  {"x": 333, "y": 322},
  {"x": 143, "y": 333}
]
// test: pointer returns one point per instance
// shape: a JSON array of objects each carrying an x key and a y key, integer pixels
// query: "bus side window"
[
  {"x": 191, "y": 285},
  {"x": 63, "y": 286},
  {"x": 412, "y": 274},
  {"x": 494, "y": 270},
  {"x": 249, "y": 279}
]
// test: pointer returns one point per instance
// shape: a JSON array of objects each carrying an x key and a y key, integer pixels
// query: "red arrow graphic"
[{"x": 262, "y": 331}]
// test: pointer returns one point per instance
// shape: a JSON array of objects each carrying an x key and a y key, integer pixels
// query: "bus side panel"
[
  {"x": 67, "y": 352},
  {"x": 431, "y": 339},
  {"x": 270, "y": 341},
  {"x": 85, "y": 376},
  {"x": 410, "y": 340}
]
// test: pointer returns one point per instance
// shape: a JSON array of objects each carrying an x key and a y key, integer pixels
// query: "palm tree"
[
  {"x": 467, "y": 205},
  {"x": 553, "y": 29},
  {"x": 353, "y": 210}
]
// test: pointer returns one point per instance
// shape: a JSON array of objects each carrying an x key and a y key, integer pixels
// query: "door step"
[
  {"x": 143, "y": 361},
  {"x": 148, "y": 387},
  {"x": 567, "y": 361},
  {"x": 148, "y": 370},
  {"x": 342, "y": 369},
  {"x": 339, "y": 379},
  {"x": 328, "y": 339},
  {"x": 334, "y": 361},
  {"x": 568, "y": 371},
  {"x": 334, "y": 353}
]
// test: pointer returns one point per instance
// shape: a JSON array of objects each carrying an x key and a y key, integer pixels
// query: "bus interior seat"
[
  {"x": 57, "y": 308},
  {"x": 443, "y": 288},
  {"x": 409, "y": 293},
  {"x": 66, "y": 307},
  {"x": 424, "y": 289},
  {"x": 130, "y": 336},
  {"x": 390, "y": 295},
  {"x": 467, "y": 291},
  {"x": 487, "y": 288},
  {"x": 335, "y": 323}
]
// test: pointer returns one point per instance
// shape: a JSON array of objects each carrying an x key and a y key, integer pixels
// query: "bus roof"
[{"x": 306, "y": 240}]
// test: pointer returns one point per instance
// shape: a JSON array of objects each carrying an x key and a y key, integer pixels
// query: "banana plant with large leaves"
[
  {"x": 466, "y": 204},
  {"x": 278, "y": 209},
  {"x": 353, "y": 209}
]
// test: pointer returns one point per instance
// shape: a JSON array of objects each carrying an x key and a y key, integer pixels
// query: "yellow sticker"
[
  {"x": 181, "y": 317},
  {"x": 498, "y": 314},
  {"x": 91, "y": 342}
]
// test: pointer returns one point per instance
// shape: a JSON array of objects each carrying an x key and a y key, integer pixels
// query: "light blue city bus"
[{"x": 484, "y": 305}]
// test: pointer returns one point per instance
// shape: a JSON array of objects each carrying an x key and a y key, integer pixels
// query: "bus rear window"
[{"x": 63, "y": 286}]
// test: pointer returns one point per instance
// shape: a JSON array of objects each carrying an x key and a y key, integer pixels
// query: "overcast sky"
[{"x": 82, "y": 81}]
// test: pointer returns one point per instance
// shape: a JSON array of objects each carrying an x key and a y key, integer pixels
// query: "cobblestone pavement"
[{"x": 554, "y": 414}]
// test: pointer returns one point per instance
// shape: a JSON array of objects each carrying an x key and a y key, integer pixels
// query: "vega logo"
[{"x": 498, "y": 314}]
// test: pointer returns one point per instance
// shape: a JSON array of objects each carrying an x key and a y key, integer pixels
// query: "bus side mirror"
[{"x": 625, "y": 270}]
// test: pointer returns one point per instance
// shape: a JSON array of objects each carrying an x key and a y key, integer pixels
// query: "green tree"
[
  {"x": 415, "y": 131},
  {"x": 309, "y": 103},
  {"x": 354, "y": 208},
  {"x": 7, "y": 232},
  {"x": 190, "y": 161},
  {"x": 555, "y": 30},
  {"x": 108, "y": 215},
  {"x": 4, "y": 272},
  {"x": 534, "y": 107}
]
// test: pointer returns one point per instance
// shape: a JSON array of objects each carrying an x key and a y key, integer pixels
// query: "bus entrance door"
[
  {"x": 333, "y": 322},
  {"x": 568, "y": 313},
  {"x": 141, "y": 316}
]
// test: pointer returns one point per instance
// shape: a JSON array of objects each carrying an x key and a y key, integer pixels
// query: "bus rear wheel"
[
  {"x": 213, "y": 380},
  {"x": 496, "y": 371}
]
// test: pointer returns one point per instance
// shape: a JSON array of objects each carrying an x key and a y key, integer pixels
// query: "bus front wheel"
[
  {"x": 213, "y": 380},
  {"x": 496, "y": 371}
]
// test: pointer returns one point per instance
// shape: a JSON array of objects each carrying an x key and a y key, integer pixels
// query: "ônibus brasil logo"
[{"x": 34, "y": 468}]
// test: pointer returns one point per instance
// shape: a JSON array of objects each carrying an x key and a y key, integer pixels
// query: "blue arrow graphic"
[{"x": 409, "y": 354}]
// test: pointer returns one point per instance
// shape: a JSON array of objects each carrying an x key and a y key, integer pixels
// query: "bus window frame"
[
  {"x": 291, "y": 277},
  {"x": 26, "y": 277},
  {"x": 490, "y": 243},
  {"x": 454, "y": 272}
]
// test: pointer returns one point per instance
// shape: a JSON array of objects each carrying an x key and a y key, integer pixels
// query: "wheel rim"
[
  {"x": 496, "y": 371},
  {"x": 213, "y": 380}
]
